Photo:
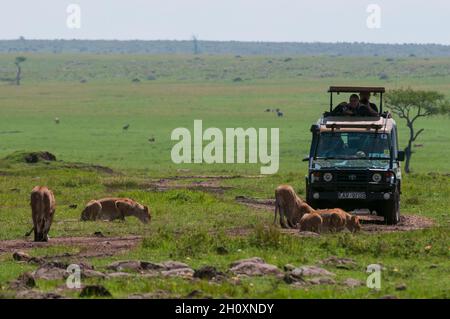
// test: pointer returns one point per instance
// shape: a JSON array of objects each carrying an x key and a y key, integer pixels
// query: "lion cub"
[
  {"x": 311, "y": 222},
  {"x": 289, "y": 204},
  {"x": 337, "y": 219},
  {"x": 115, "y": 208},
  {"x": 43, "y": 208}
]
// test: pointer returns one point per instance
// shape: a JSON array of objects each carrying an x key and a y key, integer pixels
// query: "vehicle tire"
[
  {"x": 309, "y": 200},
  {"x": 314, "y": 204},
  {"x": 391, "y": 210}
]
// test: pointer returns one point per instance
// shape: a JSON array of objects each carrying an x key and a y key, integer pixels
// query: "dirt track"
[
  {"x": 108, "y": 246},
  {"x": 89, "y": 246},
  {"x": 207, "y": 184},
  {"x": 368, "y": 223}
]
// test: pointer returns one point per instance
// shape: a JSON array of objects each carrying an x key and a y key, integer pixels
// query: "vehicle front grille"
[{"x": 352, "y": 177}]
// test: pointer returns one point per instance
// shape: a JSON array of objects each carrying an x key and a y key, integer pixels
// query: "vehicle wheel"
[
  {"x": 391, "y": 210},
  {"x": 314, "y": 204},
  {"x": 309, "y": 200}
]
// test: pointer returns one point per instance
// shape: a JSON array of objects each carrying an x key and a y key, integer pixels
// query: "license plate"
[{"x": 352, "y": 195}]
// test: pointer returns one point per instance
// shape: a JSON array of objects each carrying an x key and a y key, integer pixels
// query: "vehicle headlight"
[
  {"x": 390, "y": 177},
  {"x": 376, "y": 177},
  {"x": 327, "y": 177},
  {"x": 315, "y": 177}
]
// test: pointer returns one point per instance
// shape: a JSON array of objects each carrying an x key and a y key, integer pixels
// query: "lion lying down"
[
  {"x": 299, "y": 214},
  {"x": 115, "y": 208},
  {"x": 331, "y": 220}
]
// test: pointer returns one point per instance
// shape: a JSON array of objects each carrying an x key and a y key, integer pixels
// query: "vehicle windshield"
[{"x": 352, "y": 149}]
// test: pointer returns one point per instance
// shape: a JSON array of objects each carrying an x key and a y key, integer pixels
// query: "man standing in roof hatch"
[{"x": 364, "y": 98}]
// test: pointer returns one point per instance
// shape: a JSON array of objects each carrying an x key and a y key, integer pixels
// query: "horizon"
[
  {"x": 223, "y": 41},
  {"x": 283, "y": 21}
]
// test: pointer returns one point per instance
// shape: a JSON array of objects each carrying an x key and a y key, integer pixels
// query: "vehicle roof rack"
[
  {"x": 356, "y": 89},
  {"x": 354, "y": 125}
]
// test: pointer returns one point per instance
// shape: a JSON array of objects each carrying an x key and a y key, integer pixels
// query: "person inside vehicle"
[
  {"x": 353, "y": 105},
  {"x": 333, "y": 147},
  {"x": 376, "y": 146},
  {"x": 349, "y": 108},
  {"x": 364, "y": 99},
  {"x": 339, "y": 149}
]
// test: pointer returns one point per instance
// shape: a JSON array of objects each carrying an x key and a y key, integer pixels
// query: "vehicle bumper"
[{"x": 334, "y": 196}]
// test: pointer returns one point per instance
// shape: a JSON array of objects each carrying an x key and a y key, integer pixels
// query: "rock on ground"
[
  {"x": 400, "y": 287},
  {"x": 254, "y": 267},
  {"x": 179, "y": 272},
  {"x": 288, "y": 267},
  {"x": 257, "y": 260},
  {"x": 168, "y": 268},
  {"x": 339, "y": 262},
  {"x": 309, "y": 275},
  {"x": 311, "y": 271},
  {"x": 23, "y": 282},
  {"x": 89, "y": 273},
  {"x": 22, "y": 256},
  {"x": 171, "y": 265},
  {"x": 58, "y": 270},
  {"x": 321, "y": 281},
  {"x": 352, "y": 283},
  {"x": 130, "y": 265},
  {"x": 119, "y": 274},
  {"x": 48, "y": 273},
  {"x": 208, "y": 273}
]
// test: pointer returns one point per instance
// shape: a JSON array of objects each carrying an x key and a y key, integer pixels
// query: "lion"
[
  {"x": 115, "y": 208},
  {"x": 43, "y": 206},
  {"x": 331, "y": 220},
  {"x": 288, "y": 204},
  {"x": 337, "y": 219},
  {"x": 311, "y": 222}
]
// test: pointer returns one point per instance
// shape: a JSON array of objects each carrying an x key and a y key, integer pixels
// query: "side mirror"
[
  {"x": 305, "y": 159},
  {"x": 401, "y": 156}
]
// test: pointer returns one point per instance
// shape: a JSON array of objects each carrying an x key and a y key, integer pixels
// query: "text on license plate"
[{"x": 352, "y": 195}]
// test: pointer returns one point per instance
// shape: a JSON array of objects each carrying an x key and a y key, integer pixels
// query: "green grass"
[
  {"x": 189, "y": 225},
  {"x": 94, "y": 112}
]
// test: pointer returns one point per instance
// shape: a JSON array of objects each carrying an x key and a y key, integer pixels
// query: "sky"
[{"x": 392, "y": 21}]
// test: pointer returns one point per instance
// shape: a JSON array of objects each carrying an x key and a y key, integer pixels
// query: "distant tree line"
[{"x": 223, "y": 48}]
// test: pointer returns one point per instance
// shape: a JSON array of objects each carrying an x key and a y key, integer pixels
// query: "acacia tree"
[
  {"x": 17, "y": 62},
  {"x": 410, "y": 105}
]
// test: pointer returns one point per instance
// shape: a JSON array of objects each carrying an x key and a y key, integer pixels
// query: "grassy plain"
[{"x": 192, "y": 225}]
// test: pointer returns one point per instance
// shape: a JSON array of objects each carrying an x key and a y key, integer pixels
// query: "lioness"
[
  {"x": 331, "y": 221},
  {"x": 289, "y": 204},
  {"x": 42, "y": 210},
  {"x": 337, "y": 219},
  {"x": 115, "y": 208},
  {"x": 311, "y": 222}
]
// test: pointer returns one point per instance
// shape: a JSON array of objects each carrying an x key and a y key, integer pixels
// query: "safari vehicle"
[{"x": 354, "y": 161}]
